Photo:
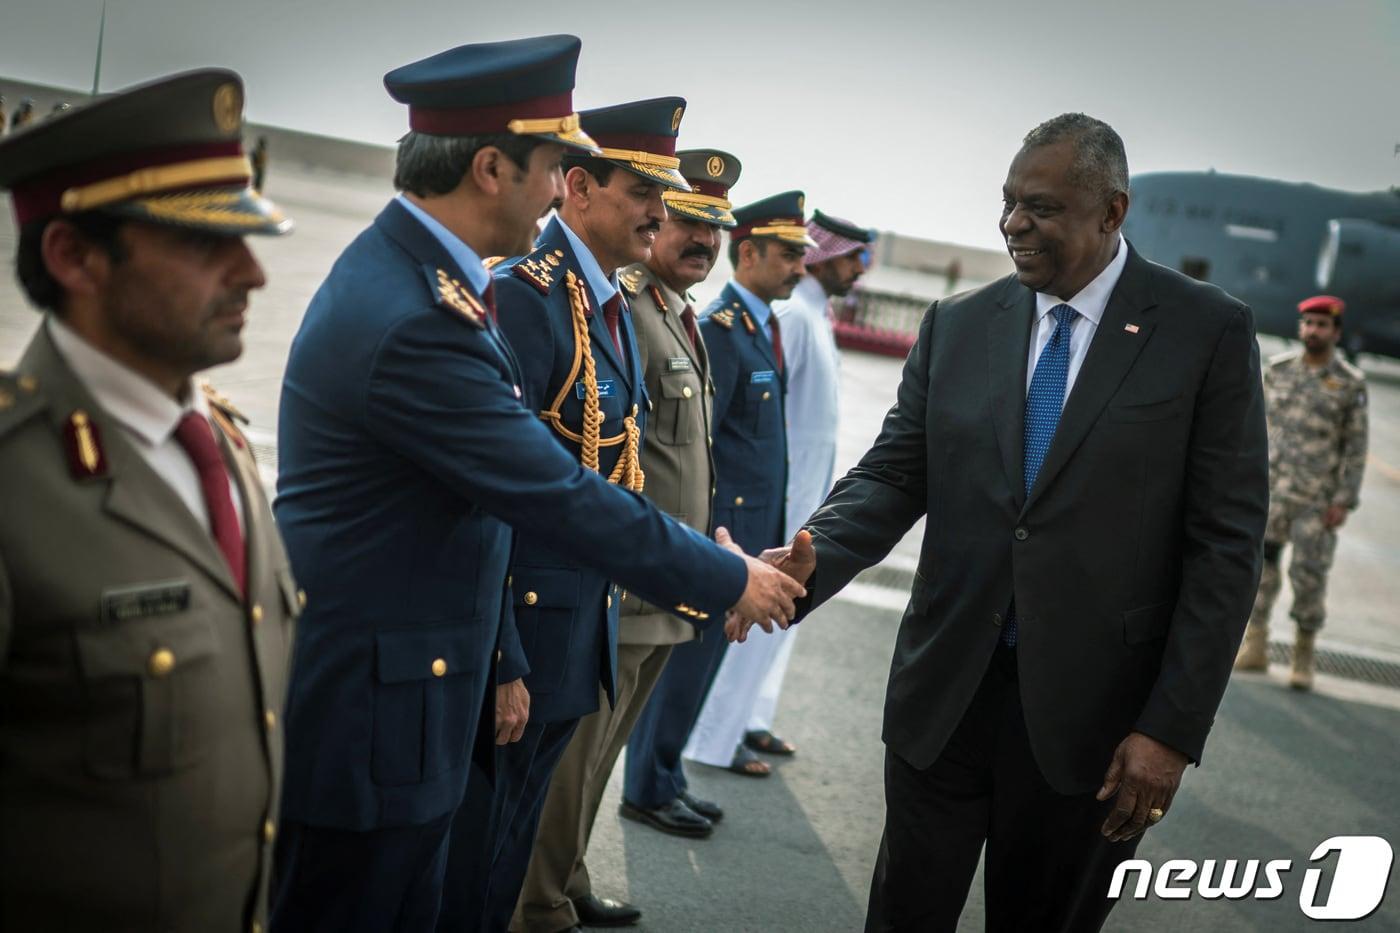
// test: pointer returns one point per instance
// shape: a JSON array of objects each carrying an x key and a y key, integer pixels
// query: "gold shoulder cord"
[{"x": 628, "y": 471}]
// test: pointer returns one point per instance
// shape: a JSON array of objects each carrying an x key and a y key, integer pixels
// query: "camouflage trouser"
[{"x": 1298, "y": 524}]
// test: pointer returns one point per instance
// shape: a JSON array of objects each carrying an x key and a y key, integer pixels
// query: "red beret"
[{"x": 1322, "y": 304}]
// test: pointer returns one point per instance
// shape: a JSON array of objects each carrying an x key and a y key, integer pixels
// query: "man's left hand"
[
  {"x": 1144, "y": 774},
  {"x": 1334, "y": 517}
]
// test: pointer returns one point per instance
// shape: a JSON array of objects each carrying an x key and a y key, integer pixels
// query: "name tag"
[
  {"x": 678, "y": 364},
  {"x": 764, "y": 375},
  {"x": 143, "y": 600},
  {"x": 607, "y": 388}
]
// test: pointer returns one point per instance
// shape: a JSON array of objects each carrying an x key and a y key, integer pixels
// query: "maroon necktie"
[
  {"x": 612, "y": 313},
  {"x": 197, "y": 437},
  {"x": 688, "y": 319},
  {"x": 488, "y": 298},
  {"x": 777, "y": 340}
]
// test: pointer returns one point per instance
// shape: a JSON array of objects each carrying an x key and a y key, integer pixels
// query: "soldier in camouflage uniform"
[{"x": 1317, "y": 451}]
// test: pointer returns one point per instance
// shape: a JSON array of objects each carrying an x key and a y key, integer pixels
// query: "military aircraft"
[{"x": 1273, "y": 243}]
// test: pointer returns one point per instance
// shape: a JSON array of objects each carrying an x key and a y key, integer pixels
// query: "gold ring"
[{"x": 1156, "y": 814}]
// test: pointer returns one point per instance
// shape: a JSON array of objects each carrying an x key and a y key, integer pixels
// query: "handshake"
[{"x": 776, "y": 582}]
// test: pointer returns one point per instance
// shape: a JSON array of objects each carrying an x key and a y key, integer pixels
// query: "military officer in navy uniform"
[
  {"x": 750, "y": 452},
  {"x": 146, "y": 603},
  {"x": 557, "y": 893},
  {"x": 566, "y": 319},
  {"x": 406, "y": 457}
]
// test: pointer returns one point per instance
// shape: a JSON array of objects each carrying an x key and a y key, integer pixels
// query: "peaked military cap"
[
  {"x": 711, "y": 173},
  {"x": 641, "y": 137},
  {"x": 167, "y": 152},
  {"x": 779, "y": 217},
  {"x": 1322, "y": 304},
  {"x": 522, "y": 86}
]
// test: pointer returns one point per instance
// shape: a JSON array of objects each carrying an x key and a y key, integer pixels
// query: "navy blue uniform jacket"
[
  {"x": 405, "y": 458},
  {"x": 566, "y": 611},
  {"x": 750, "y": 428}
]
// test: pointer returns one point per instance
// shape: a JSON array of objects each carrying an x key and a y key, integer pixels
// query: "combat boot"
[
  {"x": 1302, "y": 676},
  {"x": 1254, "y": 651}
]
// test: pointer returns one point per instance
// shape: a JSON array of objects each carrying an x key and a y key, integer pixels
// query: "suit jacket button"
[
  {"x": 439, "y": 667},
  {"x": 161, "y": 662},
  {"x": 531, "y": 598},
  {"x": 996, "y": 618},
  {"x": 1022, "y": 534}
]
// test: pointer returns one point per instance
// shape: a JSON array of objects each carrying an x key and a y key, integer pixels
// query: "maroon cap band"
[
  {"x": 41, "y": 196},
  {"x": 713, "y": 188},
  {"x": 477, "y": 121}
]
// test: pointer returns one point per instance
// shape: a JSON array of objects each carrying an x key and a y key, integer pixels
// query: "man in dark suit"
[
  {"x": 406, "y": 460},
  {"x": 563, "y": 311},
  {"x": 1087, "y": 440}
]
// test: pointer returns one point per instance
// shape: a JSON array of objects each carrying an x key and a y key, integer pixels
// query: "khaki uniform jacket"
[
  {"x": 140, "y": 694},
  {"x": 680, "y": 472}
]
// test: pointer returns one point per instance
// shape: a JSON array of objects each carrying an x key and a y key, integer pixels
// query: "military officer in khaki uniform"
[
  {"x": 675, "y": 458},
  {"x": 1317, "y": 452},
  {"x": 146, "y": 605}
]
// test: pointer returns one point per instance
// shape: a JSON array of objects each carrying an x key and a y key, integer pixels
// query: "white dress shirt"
[
  {"x": 148, "y": 417},
  {"x": 1090, "y": 303}
]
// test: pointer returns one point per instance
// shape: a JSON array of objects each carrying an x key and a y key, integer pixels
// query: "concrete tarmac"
[{"x": 1283, "y": 771}]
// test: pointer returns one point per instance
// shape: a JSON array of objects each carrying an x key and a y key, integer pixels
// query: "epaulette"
[
  {"x": 19, "y": 400},
  {"x": 723, "y": 318},
  {"x": 657, "y": 298},
  {"x": 1353, "y": 372},
  {"x": 225, "y": 414},
  {"x": 454, "y": 296},
  {"x": 1287, "y": 356},
  {"x": 749, "y": 325},
  {"x": 540, "y": 268},
  {"x": 632, "y": 281}
]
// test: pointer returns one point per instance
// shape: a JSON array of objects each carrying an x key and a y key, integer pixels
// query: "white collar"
[
  {"x": 1092, "y": 298},
  {"x": 122, "y": 392}
]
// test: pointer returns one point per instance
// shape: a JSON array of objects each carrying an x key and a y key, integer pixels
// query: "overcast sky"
[{"x": 898, "y": 115}]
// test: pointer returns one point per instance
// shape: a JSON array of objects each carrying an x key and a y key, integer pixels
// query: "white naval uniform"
[{"x": 745, "y": 693}]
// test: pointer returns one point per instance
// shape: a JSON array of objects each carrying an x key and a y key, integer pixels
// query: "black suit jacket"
[{"x": 1134, "y": 559}]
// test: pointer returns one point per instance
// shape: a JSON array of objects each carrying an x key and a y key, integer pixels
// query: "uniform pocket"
[
  {"x": 546, "y": 608},
  {"x": 761, "y": 407},
  {"x": 1146, "y": 411},
  {"x": 426, "y": 699},
  {"x": 676, "y": 419},
  {"x": 152, "y": 707}
]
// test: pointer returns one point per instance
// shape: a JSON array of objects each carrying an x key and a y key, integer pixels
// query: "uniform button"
[
  {"x": 269, "y": 831},
  {"x": 301, "y": 599},
  {"x": 767, "y": 396},
  {"x": 162, "y": 662},
  {"x": 634, "y": 411},
  {"x": 27, "y": 383},
  {"x": 710, "y": 439},
  {"x": 510, "y": 580},
  {"x": 270, "y": 718},
  {"x": 738, "y": 500},
  {"x": 256, "y": 614},
  {"x": 531, "y": 598},
  {"x": 996, "y": 618},
  {"x": 686, "y": 392},
  {"x": 602, "y": 416},
  {"x": 609, "y": 602},
  {"x": 1022, "y": 534},
  {"x": 257, "y": 927},
  {"x": 439, "y": 667}
]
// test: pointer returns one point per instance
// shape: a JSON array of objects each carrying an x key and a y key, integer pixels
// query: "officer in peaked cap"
[
  {"x": 406, "y": 461},
  {"x": 146, "y": 606},
  {"x": 750, "y": 369},
  {"x": 566, "y": 317},
  {"x": 675, "y": 458}
]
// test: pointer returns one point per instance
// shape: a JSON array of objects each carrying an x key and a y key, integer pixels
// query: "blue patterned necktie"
[{"x": 1044, "y": 402}]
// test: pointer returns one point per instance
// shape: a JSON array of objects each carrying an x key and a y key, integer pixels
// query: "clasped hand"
[{"x": 776, "y": 579}]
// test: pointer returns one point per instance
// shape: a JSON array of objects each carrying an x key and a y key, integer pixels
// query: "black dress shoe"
[
  {"x": 706, "y": 808},
  {"x": 605, "y": 912},
  {"x": 674, "y": 818}
]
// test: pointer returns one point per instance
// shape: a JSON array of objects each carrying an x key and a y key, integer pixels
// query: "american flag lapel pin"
[{"x": 1131, "y": 328}]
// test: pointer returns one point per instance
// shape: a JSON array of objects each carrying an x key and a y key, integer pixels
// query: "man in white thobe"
[{"x": 744, "y": 697}]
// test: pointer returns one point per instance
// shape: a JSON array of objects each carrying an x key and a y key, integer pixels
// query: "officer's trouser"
[{"x": 1298, "y": 524}]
